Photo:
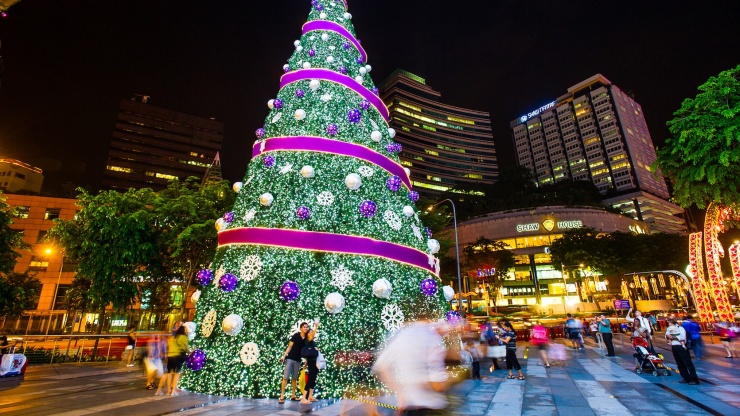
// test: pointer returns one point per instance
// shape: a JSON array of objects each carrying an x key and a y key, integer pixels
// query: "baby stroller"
[{"x": 645, "y": 361}]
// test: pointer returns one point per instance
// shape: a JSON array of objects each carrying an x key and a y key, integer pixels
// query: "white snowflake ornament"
[
  {"x": 417, "y": 232},
  {"x": 342, "y": 277},
  {"x": 209, "y": 322},
  {"x": 366, "y": 171},
  {"x": 325, "y": 98},
  {"x": 249, "y": 353},
  {"x": 393, "y": 220},
  {"x": 325, "y": 198},
  {"x": 249, "y": 215},
  {"x": 285, "y": 169},
  {"x": 250, "y": 268},
  {"x": 277, "y": 117},
  {"x": 392, "y": 317}
]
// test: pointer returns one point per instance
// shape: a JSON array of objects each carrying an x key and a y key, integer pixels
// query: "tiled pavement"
[{"x": 587, "y": 384}]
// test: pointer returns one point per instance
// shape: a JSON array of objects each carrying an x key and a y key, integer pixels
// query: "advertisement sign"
[{"x": 622, "y": 304}]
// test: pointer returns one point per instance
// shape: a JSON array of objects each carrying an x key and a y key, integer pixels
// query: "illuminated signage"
[
  {"x": 520, "y": 228},
  {"x": 637, "y": 229},
  {"x": 548, "y": 224},
  {"x": 570, "y": 224},
  {"x": 118, "y": 322},
  {"x": 537, "y": 111}
]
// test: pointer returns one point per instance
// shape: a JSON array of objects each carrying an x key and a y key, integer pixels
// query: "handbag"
[
  {"x": 320, "y": 361},
  {"x": 309, "y": 350},
  {"x": 496, "y": 351}
]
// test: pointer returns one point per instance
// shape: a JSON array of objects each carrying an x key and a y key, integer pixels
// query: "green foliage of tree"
[
  {"x": 18, "y": 292},
  {"x": 11, "y": 241},
  {"x": 702, "y": 158},
  {"x": 489, "y": 254}
]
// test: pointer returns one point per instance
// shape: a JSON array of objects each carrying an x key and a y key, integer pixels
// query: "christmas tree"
[{"x": 324, "y": 226}]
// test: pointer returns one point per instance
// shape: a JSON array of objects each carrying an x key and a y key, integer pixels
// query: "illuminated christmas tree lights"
[{"x": 324, "y": 226}]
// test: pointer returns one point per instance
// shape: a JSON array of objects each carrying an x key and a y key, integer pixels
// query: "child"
[{"x": 473, "y": 350}]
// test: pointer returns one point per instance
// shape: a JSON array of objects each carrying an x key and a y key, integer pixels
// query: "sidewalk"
[{"x": 588, "y": 384}]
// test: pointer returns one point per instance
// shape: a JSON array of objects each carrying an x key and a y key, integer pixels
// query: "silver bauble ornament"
[
  {"x": 325, "y": 37},
  {"x": 353, "y": 181},
  {"x": 266, "y": 199},
  {"x": 308, "y": 171},
  {"x": 271, "y": 104},
  {"x": 300, "y": 114},
  {"x": 382, "y": 288},
  {"x": 408, "y": 211},
  {"x": 307, "y": 65},
  {"x": 232, "y": 324},
  {"x": 433, "y": 246},
  {"x": 334, "y": 303},
  {"x": 376, "y": 136},
  {"x": 190, "y": 330},
  {"x": 392, "y": 132},
  {"x": 314, "y": 84},
  {"x": 237, "y": 186},
  {"x": 220, "y": 224},
  {"x": 448, "y": 292}
]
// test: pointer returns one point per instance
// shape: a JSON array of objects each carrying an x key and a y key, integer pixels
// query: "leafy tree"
[
  {"x": 79, "y": 297},
  {"x": 11, "y": 241},
  {"x": 485, "y": 254},
  {"x": 702, "y": 158},
  {"x": 18, "y": 292},
  {"x": 114, "y": 240}
]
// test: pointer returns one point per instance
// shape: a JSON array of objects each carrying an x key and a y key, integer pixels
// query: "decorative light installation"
[
  {"x": 713, "y": 225},
  {"x": 696, "y": 266},
  {"x": 735, "y": 262}
]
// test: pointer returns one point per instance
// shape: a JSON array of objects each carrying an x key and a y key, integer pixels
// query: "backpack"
[{"x": 539, "y": 335}]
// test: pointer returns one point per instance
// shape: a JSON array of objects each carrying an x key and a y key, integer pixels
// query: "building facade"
[
  {"x": 447, "y": 148},
  {"x": 596, "y": 132},
  {"x": 153, "y": 145},
  {"x": 16, "y": 176},
  {"x": 528, "y": 233}
]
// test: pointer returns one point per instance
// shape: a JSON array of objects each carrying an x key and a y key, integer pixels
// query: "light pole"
[
  {"x": 56, "y": 290},
  {"x": 457, "y": 250},
  {"x": 565, "y": 283}
]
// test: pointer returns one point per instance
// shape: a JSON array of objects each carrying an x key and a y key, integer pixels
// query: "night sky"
[{"x": 68, "y": 62}]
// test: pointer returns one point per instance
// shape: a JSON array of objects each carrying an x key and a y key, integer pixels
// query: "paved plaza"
[{"x": 587, "y": 384}]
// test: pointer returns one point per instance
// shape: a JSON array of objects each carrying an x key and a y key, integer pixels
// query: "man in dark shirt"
[{"x": 292, "y": 358}]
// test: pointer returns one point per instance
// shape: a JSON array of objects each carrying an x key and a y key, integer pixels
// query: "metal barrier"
[{"x": 40, "y": 349}]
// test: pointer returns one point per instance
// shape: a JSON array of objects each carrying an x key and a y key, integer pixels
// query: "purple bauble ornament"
[
  {"x": 360, "y": 61},
  {"x": 332, "y": 129},
  {"x": 303, "y": 213},
  {"x": 343, "y": 70},
  {"x": 391, "y": 148},
  {"x": 205, "y": 276},
  {"x": 428, "y": 231},
  {"x": 347, "y": 45},
  {"x": 429, "y": 286},
  {"x": 453, "y": 317},
  {"x": 398, "y": 147},
  {"x": 300, "y": 93},
  {"x": 228, "y": 282},
  {"x": 319, "y": 7},
  {"x": 196, "y": 360},
  {"x": 286, "y": 69},
  {"x": 314, "y": 3},
  {"x": 354, "y": 115},
  {"x": 375, "y": 91},
  {"x": 414, "y": 196},
  {"x": 365, "y": 105},
  {"x": 228, "y": 217},
  {"x": 311, "y": 53},
  {"x": 368, "y": 208},
  {"x": 393, "y": 183},
  {"x": 269, "y": 161},
  {"x": 260, "y": 133},
  {"x": 289, "y": 291},
  {"x": 278, "y": 103}
]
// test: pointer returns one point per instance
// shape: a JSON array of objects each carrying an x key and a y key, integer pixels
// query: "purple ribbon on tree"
[{"x": 335, "y": 27}]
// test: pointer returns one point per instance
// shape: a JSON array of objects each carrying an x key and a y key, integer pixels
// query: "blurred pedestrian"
[
  {"x": 155, "y": 351},
  {"x": 676, "y": 336},
  {"x": 726, "y": 336},
  {"x": 177, "y": 352},
  {"x": 539, "y": 339},
  {"x": 310, "y": 353},
  {"x": 693, "y": 336},
  {"x": 475, "y": 369},
  {"x": 413, "y": 365},
  {"x": 605, "y": 329},
  {"x": 131, "y": 345},
  {"x": 509, "y": 339},
  {"x": 571, "y": 331}
]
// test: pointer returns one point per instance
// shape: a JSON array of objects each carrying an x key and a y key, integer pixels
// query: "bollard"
[
  {"x": 53, "y": 349},
  {"x": 107, "y": 355}
]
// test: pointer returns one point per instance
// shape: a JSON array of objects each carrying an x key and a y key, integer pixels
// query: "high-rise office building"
[
  {"x": 152, "y": 145},
  {"x": 447, "y": 148},
  {"x": 597, "y": 132},
  {"x": 19, "y": 177}
]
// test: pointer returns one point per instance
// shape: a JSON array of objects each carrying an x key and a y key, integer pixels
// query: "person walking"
[
  {"x": 693, "y": 333},
  {"x": 131, "y": 345},
  {"x": 509, "y": 339},
  {"x": 726, "y": 336},
  {"x": 413, "y": 365},
  {"x": 676, "y": 336},
  {"x": 177, "y": 352},
  {"x": 292, "y": 360},
  {"x": 644, "y": 327},
  {"x": 572, "y": 331},
  {"x": 310, "y": 353},
  {"x": 155, "y": 351},
  {"x": 539, "y": 339},
  {"x": 473, "y": 350},
  {"x": 605, "y": 329}
]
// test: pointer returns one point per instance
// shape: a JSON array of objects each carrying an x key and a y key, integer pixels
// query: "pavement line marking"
[
  {"x": 690, "y": 400},
  {"x": 111, "y": 406}
]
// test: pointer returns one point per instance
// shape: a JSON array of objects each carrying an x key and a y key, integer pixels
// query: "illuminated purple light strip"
[
  {"x": 319, "y": 241},
  {"x": 335, "y": 27},
  {"x": 329, "y": 75},
  {"x": 318, "y": 144}
]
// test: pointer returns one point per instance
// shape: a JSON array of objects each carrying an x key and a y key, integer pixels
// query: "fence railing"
[{"x": 40, "y": 349}]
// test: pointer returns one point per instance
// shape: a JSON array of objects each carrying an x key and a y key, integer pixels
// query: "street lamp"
[
  {"x": 457, "y": 249},
  {"x": 565, "y": 283}
]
